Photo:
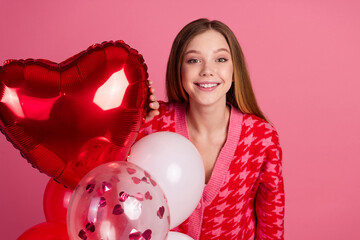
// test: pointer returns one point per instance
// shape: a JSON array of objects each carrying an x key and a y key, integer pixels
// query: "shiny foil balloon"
[
  {"x": 67, "y": 118},
  {"x": 118, "y": 200}
]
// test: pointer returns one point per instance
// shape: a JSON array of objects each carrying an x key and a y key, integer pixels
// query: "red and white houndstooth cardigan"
[{"x": 244, "y": 198}]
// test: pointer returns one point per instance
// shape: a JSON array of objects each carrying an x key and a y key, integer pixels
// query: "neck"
[{"x": 207, "y": 120}]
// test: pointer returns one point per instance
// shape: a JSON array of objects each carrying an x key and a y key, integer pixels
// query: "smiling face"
[{"x": 207, "y": 69}]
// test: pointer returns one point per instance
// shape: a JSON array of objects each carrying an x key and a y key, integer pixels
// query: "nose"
[{"x": 207, "y": 70}]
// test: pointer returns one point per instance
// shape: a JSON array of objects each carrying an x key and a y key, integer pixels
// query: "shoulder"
[{"x": 259, "y": 128}]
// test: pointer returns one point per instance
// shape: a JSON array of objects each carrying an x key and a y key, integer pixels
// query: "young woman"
[{"x": 211, "y": 102}]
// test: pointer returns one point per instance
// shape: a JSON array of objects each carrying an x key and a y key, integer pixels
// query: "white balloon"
[
  {"x": 176, "y": 165},
  {"x": 178, "y": 236}
]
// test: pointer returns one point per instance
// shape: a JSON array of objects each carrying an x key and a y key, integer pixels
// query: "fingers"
[
  {"x": 152, "y": 90},
  {"x": 153, "y": 98},
  {"x": 154, "y": 106},
  {"x": 150, "y": 114},
  {"x": 153, "y": 103}
]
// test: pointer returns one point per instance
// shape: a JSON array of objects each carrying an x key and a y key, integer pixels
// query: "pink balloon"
[
  {"x": 46, "y": 231},
  {"x": 118, "y": 200},
  {"x": 176, "y": 165}
]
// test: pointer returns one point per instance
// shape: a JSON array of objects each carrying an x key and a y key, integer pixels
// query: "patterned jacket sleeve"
[{"x": 270, "y": 199}]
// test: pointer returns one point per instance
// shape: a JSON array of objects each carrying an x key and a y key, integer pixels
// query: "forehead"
[{"x": 209, "y": 40}]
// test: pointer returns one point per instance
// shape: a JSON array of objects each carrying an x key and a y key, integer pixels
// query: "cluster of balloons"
[
  {"x": 121, "y": 200},
  {"x": 76, "y": 122},
  {"x": 155, "y": 190}
]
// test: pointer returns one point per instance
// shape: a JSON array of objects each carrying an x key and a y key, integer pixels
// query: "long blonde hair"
[{"x": 240, "y": 95}]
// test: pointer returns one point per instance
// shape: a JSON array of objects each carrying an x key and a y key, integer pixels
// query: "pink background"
[{"x": 303, "y": 58}]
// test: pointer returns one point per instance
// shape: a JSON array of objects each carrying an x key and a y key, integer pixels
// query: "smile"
[{"x": 207, "y": 85}]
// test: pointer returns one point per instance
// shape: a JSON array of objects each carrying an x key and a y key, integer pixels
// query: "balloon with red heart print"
[
  {"x": 67, "y": 118},
  {"x": 118, "y": 200}
]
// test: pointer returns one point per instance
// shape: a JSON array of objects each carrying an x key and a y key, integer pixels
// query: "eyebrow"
[{"x": 219, "y": 50}]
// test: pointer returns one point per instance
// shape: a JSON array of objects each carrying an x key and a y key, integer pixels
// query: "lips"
[{"x": 207, "y": 85}]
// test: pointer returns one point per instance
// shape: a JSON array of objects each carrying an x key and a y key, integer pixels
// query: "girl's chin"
[{"x": 203, "y": 102}]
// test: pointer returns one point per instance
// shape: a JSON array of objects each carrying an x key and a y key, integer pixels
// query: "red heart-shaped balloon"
[{"x": 70, "y": 117}]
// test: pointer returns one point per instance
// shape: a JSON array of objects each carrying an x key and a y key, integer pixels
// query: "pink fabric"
[{"x": 244, "y": 198}]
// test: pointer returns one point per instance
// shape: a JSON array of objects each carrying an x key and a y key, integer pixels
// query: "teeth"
[{"x": 207, "y": 85}]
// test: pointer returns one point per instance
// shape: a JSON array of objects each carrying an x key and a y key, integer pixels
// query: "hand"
[{"x": 153, "y": 104}]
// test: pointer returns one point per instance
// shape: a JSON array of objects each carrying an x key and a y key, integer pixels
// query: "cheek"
[
  {"x": 185, "y": 75},
  {"x": 185, "y": 84},
  {"x": 185, "y": 71},
  {"x": 184, "y": 78},
  {"x": 227, "y": 73},
  {"x": 231, "y": 73}
]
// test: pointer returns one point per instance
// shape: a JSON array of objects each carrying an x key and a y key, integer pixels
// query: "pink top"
[{"x": 244, "y": 198}]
